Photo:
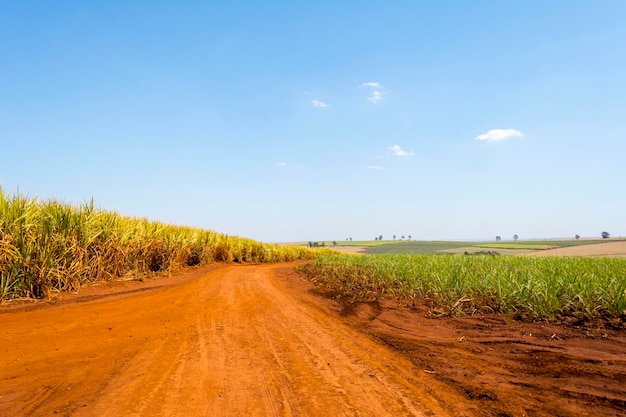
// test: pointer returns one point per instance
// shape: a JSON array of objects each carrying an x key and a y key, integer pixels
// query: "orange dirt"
[{"x": 260, "y": 341}]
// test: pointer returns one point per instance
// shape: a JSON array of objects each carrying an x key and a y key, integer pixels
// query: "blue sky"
[{"x": 301, "y": 120}]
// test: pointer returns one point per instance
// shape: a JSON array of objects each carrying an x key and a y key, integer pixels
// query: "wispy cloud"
[
  {"x": 376, "y": 167},
  {"x": 281, "y": 164},
  {"x": 396, "y": 149},
  {"x": 317, "y": 103},
  {"x": 378, "y": 92},
  {"x": 496, "y": 135}
]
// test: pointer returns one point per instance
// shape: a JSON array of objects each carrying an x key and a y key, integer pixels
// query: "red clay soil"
[{"x": 260, "y": 341}]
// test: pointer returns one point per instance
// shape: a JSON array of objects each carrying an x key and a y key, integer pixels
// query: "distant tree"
[
  {"x": 605, "y": 235},
  {"x": 394, "y": 237},
  {"x": 515, "y": 237},
  {"x": 323, "y": 244},
  {"x": 334, "y": 243},
  {"x": 380, "y": 237},
  {"x": 402, "y": 237},
  {"x": 310, "y": 244},
  {"x": 409, "y": 237},
  {"x": 498, "y": 238},
  {"x": 577, "y": 237},
  {"x": 350, "y": 239},
  {"x": 347, "y": 239}
]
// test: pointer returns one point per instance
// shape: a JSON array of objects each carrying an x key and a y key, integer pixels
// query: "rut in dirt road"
[{"x": 234, "y": 341}]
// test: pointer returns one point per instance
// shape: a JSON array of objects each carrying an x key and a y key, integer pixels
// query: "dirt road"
[
  {"x": 235, "y": 341},
  {"x": 259, "y": 341}
]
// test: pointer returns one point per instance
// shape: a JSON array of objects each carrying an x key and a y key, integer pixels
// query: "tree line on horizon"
[
  {"x": 312, "y": 244},
  {"x": 603, "y": 235}
]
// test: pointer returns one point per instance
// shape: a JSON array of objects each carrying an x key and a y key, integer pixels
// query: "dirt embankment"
[{"x": 258, "y": 341}]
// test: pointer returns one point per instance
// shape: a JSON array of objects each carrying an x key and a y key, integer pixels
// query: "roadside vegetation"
[
  {"x": 52, "y": 246},
  {"x": 522, "y": 287}
]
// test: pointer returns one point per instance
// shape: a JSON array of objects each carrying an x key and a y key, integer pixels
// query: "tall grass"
[
  {"x": 48, "y": 245},
  {"x": 521, "y": 286}
]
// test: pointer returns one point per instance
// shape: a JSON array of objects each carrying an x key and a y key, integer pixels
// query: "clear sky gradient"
[{"x": 302, "y": 120}]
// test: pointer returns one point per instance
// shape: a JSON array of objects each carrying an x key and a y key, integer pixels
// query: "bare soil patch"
[
  {"x": 609, "y": 249},
  {"x": 260, "y": 340},
  {"x": 507, "y": 368},
  {"x": 349, "y": 249}
]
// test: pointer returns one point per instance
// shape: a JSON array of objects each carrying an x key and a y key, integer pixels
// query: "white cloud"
[
  {"x": 372, "y": 84},
  {"x": 317, "y": 103},
  {"x": 378, "y": 92},
  {"x": 376, "y": 167},
  {"x": 399, "y": 151},
  {"x": 497, "y": 135},
  {"x": 281, "y": 164},
  {"x": 376, "y": 97}
]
